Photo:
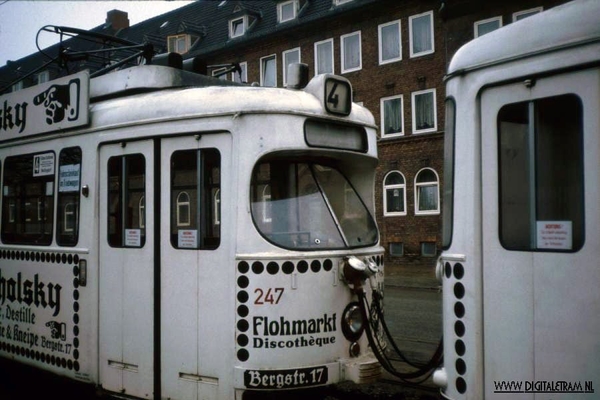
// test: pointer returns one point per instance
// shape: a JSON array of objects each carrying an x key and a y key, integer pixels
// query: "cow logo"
[{"x": 60, "y": 101}]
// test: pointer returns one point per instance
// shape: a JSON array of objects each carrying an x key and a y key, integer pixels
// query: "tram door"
[
  {"x": 127, "y": 268},
  {"x": 540, "y": 232},
  {"x": 196, "y": 266}
]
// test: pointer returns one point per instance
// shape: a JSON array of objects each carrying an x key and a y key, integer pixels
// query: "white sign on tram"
[{"x": 51, "y": 106}]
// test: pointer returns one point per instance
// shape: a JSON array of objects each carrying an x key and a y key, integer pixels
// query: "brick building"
[{"x": 395, "y": 53}]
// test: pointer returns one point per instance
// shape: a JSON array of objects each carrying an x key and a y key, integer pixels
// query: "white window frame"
[
  {"x": 262, "y": 61},
  {"x": 232, "y": 23},
  {"x": 266, "y": 204},
  {"x": 284, "y": 63},
  {"x": 187, "y": 214},
  {"x": 380, "y": 39},
  {"x": 142, "y": 212},
  {"x": 477, "y": 24},
  {"x": 414, "y": 109},
  {"x": 42, "y": 77},
  {"x": 419, "y": 185},
  {"x": 187, "y": 41},
  {"x": 17, "y": 86},
  {"x": 236, "y": 78},
  {"x": 342, "y": 52},
  {"x": 410, "y": 32},
  {"x": 217, "y": 207},
  {"x": 280, "y": 6},
  {"x": 216, "y": 71},
  {"x": 317, "y": 44},
  {"x": 382, "y": 102},
  {"x": 519, "y": 15},
  {"x": 402, "y": 186}
]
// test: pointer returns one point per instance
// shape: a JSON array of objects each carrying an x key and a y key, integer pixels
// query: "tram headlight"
[{"x": 353, "y": 324}]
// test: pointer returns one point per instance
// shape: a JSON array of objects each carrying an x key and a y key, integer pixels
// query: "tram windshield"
[{"x": 304, "y": 205}]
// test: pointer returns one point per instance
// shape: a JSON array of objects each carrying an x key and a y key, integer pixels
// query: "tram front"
[{"x": 307, "y": 246}]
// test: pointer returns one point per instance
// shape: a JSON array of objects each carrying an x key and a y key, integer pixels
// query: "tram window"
[
  {"x": 301, "y": 205},
  {"x": 28, "y": 199},
  {"x": 541, "y": 174},
  {"x": 196, "y": 199},
  {"x": 69, "y": 182},
  {"x": 126, "y": 191}
]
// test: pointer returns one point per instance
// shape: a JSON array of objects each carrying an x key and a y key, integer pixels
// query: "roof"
[
  {"x": 206, "y": 20},
  {"x": 572, "y": 23}
]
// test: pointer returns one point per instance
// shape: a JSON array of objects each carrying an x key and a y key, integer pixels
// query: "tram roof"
[
  {"x": 563, "y": 26},
  {"x": 153, "y": 92}
]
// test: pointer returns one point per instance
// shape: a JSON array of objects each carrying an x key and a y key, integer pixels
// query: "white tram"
[
  {"x": 520, "y": 271},
  {"x": 165, "y": 235}
]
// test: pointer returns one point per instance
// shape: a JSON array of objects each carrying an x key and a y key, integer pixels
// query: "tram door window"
[
  {"x": 541, "y": 171},
  {"x": 28, "y": 199},
  {"x": 195, "y": 199},
  {"x": 69, "y": 183},
  {"x": 126, "y": 201}
]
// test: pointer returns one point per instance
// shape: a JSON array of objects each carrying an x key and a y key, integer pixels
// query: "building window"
[
  {"x": 421, "y": 34},
  {"x": 242, "y": 75},
  {"x": 424, "y": 116},
  {"x": 289, "y": 57},
  {"x": 390, "y": 43},
  {"x": 178, "y": 43},
  {"x": 237, "y": 27},
  {"x": 287, "y": 11},
  {"x": 427, "y": 194},
  {"x": 392, "y": 112},
  {"x": 17, "y": 86},
  {"x": 351, "y": 52},
  {"x": 220, "y": 73},
  {"x": 394, "y": 194},
  {"x": 268, "y": 71},
  {"x": 216, "y": 211},
  {"x": 324, "y": 57},
  {"x": 480, "y": 28},
  {"x": 396, "y": 249},
  {"x": 42, "y": 77},
  {"x": 519, "y": 15},
  {"x": 183, "y": 209},
  {"x": 428, "y": 249}
]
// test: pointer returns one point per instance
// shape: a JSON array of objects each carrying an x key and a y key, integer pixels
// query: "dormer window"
[
  {"x": 287, "y": 11},
  {"x": 179, "y": 43},
  {"x": 237, "y": 27}
]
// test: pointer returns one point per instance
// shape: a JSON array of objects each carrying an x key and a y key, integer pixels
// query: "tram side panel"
[{"x": 48, "y": 283}]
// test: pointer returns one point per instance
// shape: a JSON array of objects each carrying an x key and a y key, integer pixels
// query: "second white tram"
[
  {"x": 164, "y": 236},
  {"x": 521, "y": 221}
]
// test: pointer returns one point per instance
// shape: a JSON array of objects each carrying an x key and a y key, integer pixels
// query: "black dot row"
[
  {"x": 458, "y": 272},
  {"x": 288, "y": 267},
  {"x": 41, "y": 357},
  {"x": 39, "y": 256}
]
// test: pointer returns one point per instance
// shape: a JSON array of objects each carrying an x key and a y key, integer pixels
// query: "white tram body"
[
  {"x": 520, "y": 271},
  {"x": 166, "y": 237}
]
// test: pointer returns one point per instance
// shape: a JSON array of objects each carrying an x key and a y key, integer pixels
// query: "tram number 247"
[{"x": 270, "y": 296}]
